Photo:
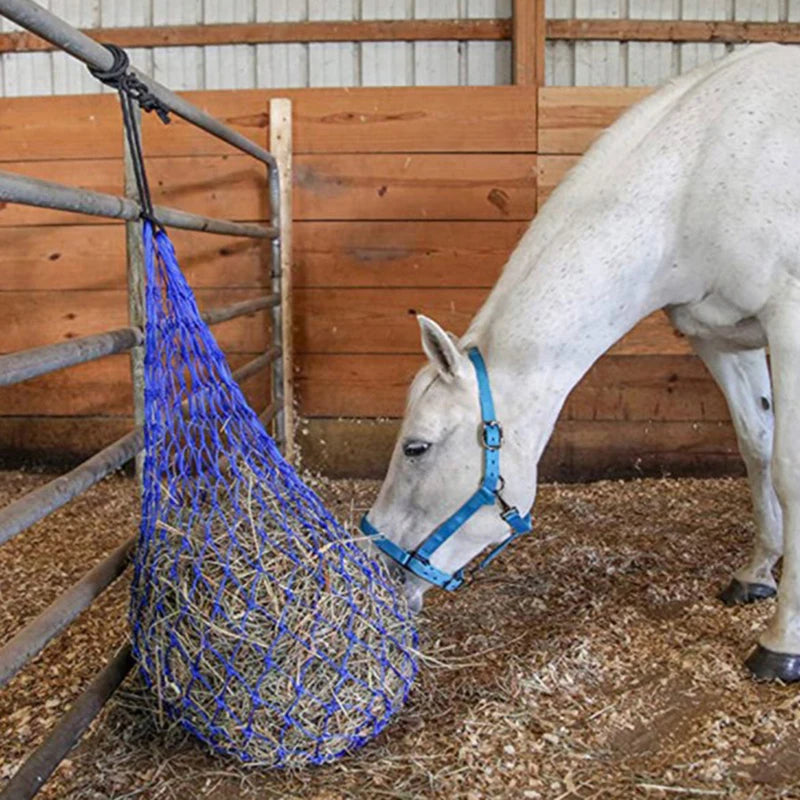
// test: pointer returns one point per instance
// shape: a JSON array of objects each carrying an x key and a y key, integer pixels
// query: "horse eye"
[{"x": 415, "y": 449}]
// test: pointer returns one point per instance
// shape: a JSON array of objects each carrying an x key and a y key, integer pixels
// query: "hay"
[{"x": 276, "y": 646}]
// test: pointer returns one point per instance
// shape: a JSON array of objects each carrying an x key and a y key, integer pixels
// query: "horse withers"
[{"x": 689, "y": 203}]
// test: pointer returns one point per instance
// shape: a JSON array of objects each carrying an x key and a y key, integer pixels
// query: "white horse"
[{"x": 689, "y": 203}]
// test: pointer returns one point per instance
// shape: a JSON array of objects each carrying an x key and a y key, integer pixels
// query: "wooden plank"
[
  {"x": 525, "y": 42},
  {"x": 49, "y": 257},
  {"x": 540, "y": 34},
  {"x": 33, "y": 319},
  {"x": 280, "y": 145},
  {"x": 60, "y": 441},
  {"x": 639, "y": 30},
  {"x": 401, "y": 253},
  {"x": 358, "y": 254},
  {"x": 336, "y": 186},
  {"x": 578, "y": 450},
  {"x": 217, "y": 186},
  {"x": 102, "y": 388},
  {"x": 278, "y": 33},
  {"x": 360, "y": 120},
  {"x": 415, "y": 186},
  {"x": 571, "y": 118},
  {"x": 633, "y": 388},
  {"x": 551, "y": 170},
  {"x": 384, "y": 321}
]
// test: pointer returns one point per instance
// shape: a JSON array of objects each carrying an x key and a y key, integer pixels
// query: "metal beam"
[
  {"x": 216, "y": 315},
  {"x": 257, "y": 364},
  {"x": 15, "y": 188},
  {"x": 39, "y": 631},
  {"x": 36, "y": 505},
  {"x": 29, "y": 15},
  {"x": 27, "y": 364},
  {"x": 40, "y": 765}
]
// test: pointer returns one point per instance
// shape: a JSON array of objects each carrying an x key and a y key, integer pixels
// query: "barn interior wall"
[
  {"x": 332, "y": 64},
  {"x": 405, "y": 199}
]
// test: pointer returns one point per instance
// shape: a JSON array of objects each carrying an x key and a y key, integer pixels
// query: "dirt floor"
[{"x": 592, "y": 660}]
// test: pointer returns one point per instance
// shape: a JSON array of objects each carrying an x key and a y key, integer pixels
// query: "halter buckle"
[{"x": 492, "y": 435}]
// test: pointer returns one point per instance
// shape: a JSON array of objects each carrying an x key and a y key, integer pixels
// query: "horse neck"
[{"x": 557, "y": 308}]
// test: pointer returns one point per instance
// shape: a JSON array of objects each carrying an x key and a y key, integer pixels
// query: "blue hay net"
[{"x": 263, "y": 627}]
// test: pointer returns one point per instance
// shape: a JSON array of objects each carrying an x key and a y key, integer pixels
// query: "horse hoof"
[
  {"x": 765, "y": 665},
  {"x": 737, "y": 593}
]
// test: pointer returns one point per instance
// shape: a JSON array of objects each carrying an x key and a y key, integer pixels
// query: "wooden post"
[
  {"x": 280, "y": 145},
  {"x": 134, "y": 249},
  {"x": 528, "y": 42}
]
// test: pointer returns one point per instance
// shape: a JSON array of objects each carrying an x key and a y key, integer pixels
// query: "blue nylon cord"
[{"x": 200, "y": 434}]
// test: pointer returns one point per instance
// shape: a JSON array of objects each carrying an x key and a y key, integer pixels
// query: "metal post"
[
  {"x": 134, "y": 253},
  {"x": 280, "y": 180}
]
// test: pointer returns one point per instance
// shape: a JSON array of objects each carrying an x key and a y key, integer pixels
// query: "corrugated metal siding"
[
  {"x": 270, "y": 66},
  {"x": 647, "y": 63},
  {"x": 379, "y": 63}
]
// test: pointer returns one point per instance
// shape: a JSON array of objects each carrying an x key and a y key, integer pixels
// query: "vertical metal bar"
[
  {"x": 134, "y": 251},
  {"x": 280, "y": 126}
]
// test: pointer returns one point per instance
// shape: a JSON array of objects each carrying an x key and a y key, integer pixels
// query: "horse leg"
[
  {"x": 744, "y": 379},
  {"x": 778, "y": 652}
]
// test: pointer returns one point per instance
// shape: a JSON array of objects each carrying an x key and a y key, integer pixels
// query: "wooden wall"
[{"x": 406, "y": 200}]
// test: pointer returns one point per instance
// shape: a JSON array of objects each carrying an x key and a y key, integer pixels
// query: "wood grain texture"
[
  {"x": 364, "y": 120},
  {"x": 551, "y": 170},
  {"x": 578, "y": 450},
  {"x": 472, "y": 186},
  {"x": 402, "y": 253},
  {"x": 101, "y": 388},
  {"x": 342, "y": 253},
  {"x": 33, "y": 319},
  {"x": 640, "y": 30},
  {"x": 415, "y": 186},
  {"x": 278, "y": 33},
  {"x": 51, "y": 257},
  {"x": 384, "y": 321},
  {"x": 571, "y": 118},
  {"x": 525, "y": 42},
  {"x": 618, "y": 388}
]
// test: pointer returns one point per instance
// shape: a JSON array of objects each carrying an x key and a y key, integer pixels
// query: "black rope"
[{"x": 132, "y": 91}]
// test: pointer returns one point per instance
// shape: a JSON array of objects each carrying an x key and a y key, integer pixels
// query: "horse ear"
[{"x": 441, "y": 348}]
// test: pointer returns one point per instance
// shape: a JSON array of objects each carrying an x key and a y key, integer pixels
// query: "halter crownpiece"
[{"x": 489, "y": 493}]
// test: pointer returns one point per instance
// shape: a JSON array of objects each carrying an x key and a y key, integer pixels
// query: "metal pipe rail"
[
  {"x": 66, "y": 607},
  {"x": 34, "y": 506},
  {"x": 217, "y": 315},
  {"x": 15, "y": 188},
  {"x": 33, "y": 638},
  {"x": 40, "y": 765},
  {"x": 27, "y": 364},
  {"x": 29, "y": 15},
  {"x": 24, "y": 365}
]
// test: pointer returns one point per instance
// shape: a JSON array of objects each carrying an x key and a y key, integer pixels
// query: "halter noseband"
[{"x": 488, "y": 494}]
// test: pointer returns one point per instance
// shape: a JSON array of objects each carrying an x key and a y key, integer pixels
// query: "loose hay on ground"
[{"x": 591, "y": 661}]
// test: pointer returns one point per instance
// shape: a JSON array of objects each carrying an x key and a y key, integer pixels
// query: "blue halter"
[{"x": 488, "y": 494}]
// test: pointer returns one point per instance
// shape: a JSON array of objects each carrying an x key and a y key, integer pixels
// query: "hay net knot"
[{"x": 261, "y": 624}]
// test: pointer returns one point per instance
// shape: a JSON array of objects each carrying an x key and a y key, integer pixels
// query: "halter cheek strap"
[{"x": 488, "y": 494}]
